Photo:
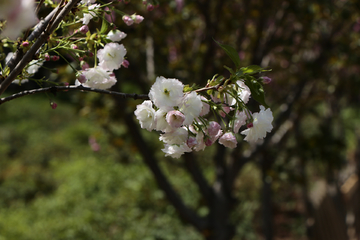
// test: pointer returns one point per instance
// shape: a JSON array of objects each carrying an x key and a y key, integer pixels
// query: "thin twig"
[{"x": 55, "y": 89}]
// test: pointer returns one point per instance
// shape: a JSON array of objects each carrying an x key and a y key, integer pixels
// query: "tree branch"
[
  {"x": 196, "y": 174},
  {"x": 56, "y": 89},
  {"x": 185, "y": 212}
]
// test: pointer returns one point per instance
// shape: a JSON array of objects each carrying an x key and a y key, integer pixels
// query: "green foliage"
[{"x": 53, "y": 186}]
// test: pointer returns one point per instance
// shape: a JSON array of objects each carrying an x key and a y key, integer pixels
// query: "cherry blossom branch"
[
  {"x": 56, "y": 89},
  {"x": 38, "y": 43}
]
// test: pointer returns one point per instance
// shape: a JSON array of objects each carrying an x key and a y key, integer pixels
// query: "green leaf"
[
  {"x": 231, "y": 52},
  {"x": 251, "y": 69},
  {"x": 104, "y": 27},
  {"x": 257, "y": 91}
]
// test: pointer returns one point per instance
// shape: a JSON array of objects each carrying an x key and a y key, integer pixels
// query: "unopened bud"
[
  {"x": 85, "y": 66},
  {"x": 82, "y": 78},
  {"x": 137, "y": 18},
  {"x": 53, "y": 105},
  {"x": 84, "y": 29},
  {"x": 191, "y": 142},
  {"x": 47, "y": 57},
  {"x": 266, "y": 80},
  {"x": 25, "y": 44},
  {"x": 150, "y": 7},
  {"x": 128, "y": 20},
  {"x": 250, "y": 125},
  {"x": 125, "y": 63},
  {"x": 208, "y": 142},
  {"x": 55, "y": 58}
]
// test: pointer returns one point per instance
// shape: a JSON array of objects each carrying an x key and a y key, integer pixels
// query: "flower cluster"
[{"x": 183, "y": 117}]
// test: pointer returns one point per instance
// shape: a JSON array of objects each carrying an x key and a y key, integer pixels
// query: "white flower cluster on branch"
[{"x": 183, "y": 118}]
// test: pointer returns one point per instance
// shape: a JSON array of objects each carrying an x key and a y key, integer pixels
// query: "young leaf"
[
  {"x": 104, "y": 27},
  {"x": 251, "y": 69},
  {"x": 257, "y": 92},
  {"x": 231, "y": 52}
]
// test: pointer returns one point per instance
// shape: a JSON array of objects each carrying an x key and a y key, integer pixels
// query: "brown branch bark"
[{"x": 56, "y": 89}]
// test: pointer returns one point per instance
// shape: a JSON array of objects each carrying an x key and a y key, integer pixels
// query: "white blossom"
[
  {"x": 91, "y": 14},
  {"x": 87, "y": 2},
  {"x": 111, "y": 56},
  {"x": 146, "y": 115},
  {"x": 166, "y": 93},
  {"x": 34, "y": 66},
  {"x": 160, "y": 121},
  {"x": 97, "y": 77},
  {"x": 179, "y": 136},
  {"x": 261, "y": 125},
  {"x": 200, "y": 141},
  {"x": 191, "y": 106},
  {"x": 175, "y": 151},
  {"x": 205, "y": 106},
  {"x": 240, "y": 120},
  {"x": 116, "y": 35},
  {"x": 244, "y": 91}
]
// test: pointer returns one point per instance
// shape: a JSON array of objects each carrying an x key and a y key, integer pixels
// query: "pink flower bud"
[
  {"x": 82, "y": 78},
  {"x": 125, "y": 63},
  {"x": 191, "y": 142},
  {"x": 53, "y": 105},
  {"x": 175, "y": 118},
  {"x": 25, "y": 44},
  {"x": 228, "y": 140},
  {"x": 55, "y": 58},
  {"x": 74, "y": 46},
  {"x": 90, "y": 54},
  {"x": 266, "y": 80},
  {"x": 225, "y": 110},
  {"x": 208, "y": 142},
  {"x": 214, "y": 131},
  {"x": 213, "y": 128},
  {"x": 250, "y": 125},
  {"x": 47, "y": 57},
  {"x": 138, "y": 19},
  {"x": 85, "y": 66},
  {"x": 150, "y": 7},
  {"x": 84, "y": 29},
  {"x": 128, "y": 20}
]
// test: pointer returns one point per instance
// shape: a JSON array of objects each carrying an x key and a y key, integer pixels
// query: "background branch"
[{"x": 56, "y": 89}]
